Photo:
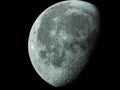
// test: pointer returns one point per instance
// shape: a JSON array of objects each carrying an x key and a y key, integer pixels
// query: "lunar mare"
[{"x": 61, "y": 40}]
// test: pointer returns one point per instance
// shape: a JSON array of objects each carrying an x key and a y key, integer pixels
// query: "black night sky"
[{"x": 20, "y": 74}]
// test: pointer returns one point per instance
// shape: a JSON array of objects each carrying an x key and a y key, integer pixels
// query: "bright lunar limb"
[{"x": 62, "y": 39}]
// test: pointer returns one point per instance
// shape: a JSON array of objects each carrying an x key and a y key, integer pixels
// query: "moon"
[{"x": 62, "y": 39}]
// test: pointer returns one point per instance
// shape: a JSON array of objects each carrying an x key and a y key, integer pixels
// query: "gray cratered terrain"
[{"x": 62, "y": 39}]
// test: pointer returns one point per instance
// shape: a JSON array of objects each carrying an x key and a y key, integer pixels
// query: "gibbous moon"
[{"x": 62, "y": 39}]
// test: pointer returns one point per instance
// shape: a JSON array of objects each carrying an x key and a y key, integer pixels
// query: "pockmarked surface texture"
[{"x": 62, "y": 39}]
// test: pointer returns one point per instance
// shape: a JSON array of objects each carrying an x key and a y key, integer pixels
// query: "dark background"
[{"x": 18, "y": 72}]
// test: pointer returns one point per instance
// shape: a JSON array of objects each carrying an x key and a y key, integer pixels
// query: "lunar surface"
[{"x": 62, "y": 39}]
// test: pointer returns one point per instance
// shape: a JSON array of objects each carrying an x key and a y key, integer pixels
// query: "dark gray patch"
[
  {"x": 43, "y": 54},
  {"x": 75, "y": 46},
  {"x": 78, "y": 22},
  {"x": 67, "y": 45},
  {"x": 57, "y": 60},
  {"x": 91, "y": 40},
  {"x": 84, "y": 45}
]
